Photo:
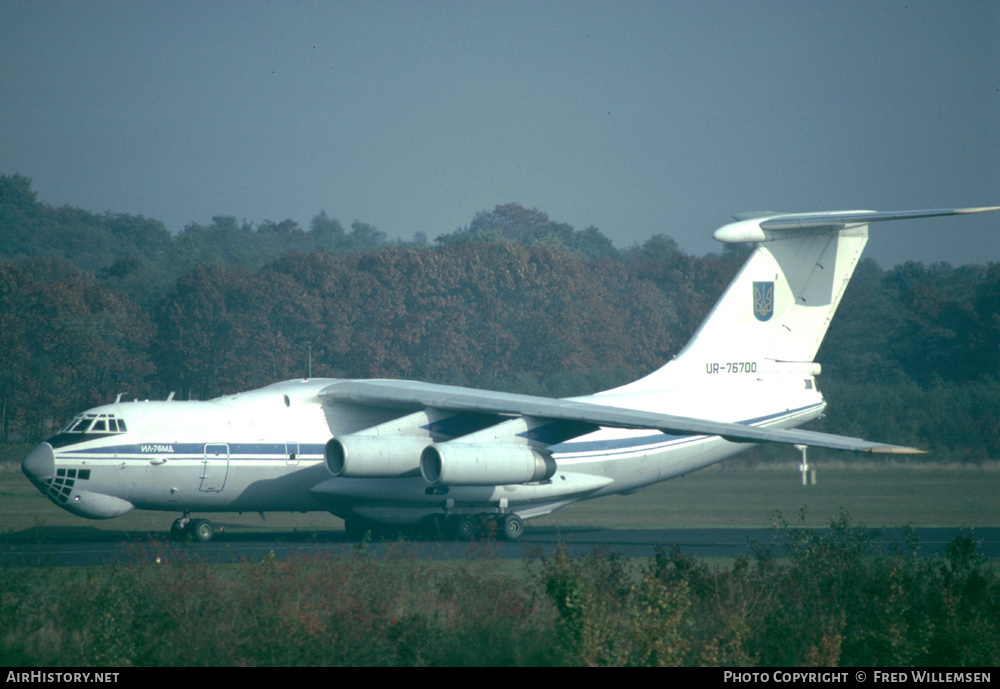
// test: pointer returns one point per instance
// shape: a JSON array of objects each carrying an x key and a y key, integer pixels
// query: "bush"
[{"x": 832, "y": 597}]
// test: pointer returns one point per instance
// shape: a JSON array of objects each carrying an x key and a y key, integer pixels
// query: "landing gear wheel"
[
  {"x": 464, "y": 527},
  {"x": 202, "y": 530},
  {"x": 178, "y": 530},
  {"x": 513, "y": 527}
]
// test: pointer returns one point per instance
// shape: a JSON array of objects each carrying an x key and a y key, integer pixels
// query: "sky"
[{"x": 639, "y": 118}]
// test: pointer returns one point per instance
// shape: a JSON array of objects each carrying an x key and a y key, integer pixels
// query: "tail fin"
[
  {"x": 774, "y": 314},
  {"x": 780, "y": 304}
]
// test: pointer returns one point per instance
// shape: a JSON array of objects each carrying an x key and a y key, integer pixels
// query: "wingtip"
[
  {"x": 895, "y": 450},
  {"x": 980, "y": 209}
]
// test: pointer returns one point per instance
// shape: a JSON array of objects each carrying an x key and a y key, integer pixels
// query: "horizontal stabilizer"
[
  {"x": 751, "y": 226},
  {"x": 446, "y": 397},
  {"x": 805, "y": 220}
]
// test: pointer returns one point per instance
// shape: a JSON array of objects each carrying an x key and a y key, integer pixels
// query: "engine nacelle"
[
  {"x": 469, "y": 464},
  {"x": 364, "y": 456}
]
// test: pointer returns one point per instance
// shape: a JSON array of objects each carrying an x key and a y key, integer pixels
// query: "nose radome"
[{"x": 40, "y": 464}]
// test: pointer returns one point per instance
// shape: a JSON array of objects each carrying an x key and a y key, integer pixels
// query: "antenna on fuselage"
[
  {"x": 118, "y": 398},
  {"x": 171, "y": 395}
]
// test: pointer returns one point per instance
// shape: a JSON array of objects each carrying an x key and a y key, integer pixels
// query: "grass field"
[{"x": 874, "y": 495}]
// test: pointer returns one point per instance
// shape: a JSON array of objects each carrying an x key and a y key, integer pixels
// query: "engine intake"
[{"x": 359, "y": 456}]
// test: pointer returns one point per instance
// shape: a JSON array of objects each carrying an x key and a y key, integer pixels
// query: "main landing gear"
[
  {"x": 186, "y": 529},
  {"x": 457, "y": 527},
  {"x": 463, "y": 527}
]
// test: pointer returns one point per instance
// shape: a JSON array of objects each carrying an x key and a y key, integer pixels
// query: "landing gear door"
[{"x": 215, "y": 468}]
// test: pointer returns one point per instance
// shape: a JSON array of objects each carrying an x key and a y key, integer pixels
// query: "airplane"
[{"x": 390, "y": 454}]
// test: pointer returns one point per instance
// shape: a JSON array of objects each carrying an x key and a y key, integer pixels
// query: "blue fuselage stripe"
[
  {"x": 273, "y": 451},
  {"x": 193, "y": 450}
]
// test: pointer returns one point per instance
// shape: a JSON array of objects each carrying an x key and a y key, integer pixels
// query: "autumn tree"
[
  {"x": 66, "y": 343},
  {"x": 220, "y": 330},
  {"x": 514, "y": 223}
]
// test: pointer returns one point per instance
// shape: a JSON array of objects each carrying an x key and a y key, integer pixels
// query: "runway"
[{"x": 86, "y": 546}]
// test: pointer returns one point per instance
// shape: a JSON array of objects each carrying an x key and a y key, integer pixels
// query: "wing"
[{"x": 416, "y": 396}]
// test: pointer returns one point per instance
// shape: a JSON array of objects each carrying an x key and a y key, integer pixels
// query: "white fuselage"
[{"x": 263, "y": 451}]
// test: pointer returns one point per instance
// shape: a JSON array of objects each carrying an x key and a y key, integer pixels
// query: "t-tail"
[{"x": 773, "y": 316}]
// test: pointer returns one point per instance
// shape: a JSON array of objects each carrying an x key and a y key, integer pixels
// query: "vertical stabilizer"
[
  {"x": 780, "y": 304},
  {"x": 773, "y": 316}
]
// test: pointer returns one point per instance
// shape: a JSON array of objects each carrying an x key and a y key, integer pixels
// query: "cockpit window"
[
  {"x": 95, "y": 423},
  {"x": 80, "y": 426}
]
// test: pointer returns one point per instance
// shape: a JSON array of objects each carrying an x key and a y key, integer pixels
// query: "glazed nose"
[{"x": 40, "y": 464}]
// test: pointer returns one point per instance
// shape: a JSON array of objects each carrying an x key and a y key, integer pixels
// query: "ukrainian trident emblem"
[{"x": 763, "y": 300}]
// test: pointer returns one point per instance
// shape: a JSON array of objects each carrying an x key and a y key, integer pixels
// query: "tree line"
[{"x": 92, "y": 305}]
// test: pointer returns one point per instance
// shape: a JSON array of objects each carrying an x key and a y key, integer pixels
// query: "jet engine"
[
  {"x": 362, "y": 456},
  {"x": 469, "y": 464}
]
